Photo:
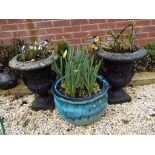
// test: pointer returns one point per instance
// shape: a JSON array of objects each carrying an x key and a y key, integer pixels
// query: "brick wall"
[{"x": 73, "y": 30}]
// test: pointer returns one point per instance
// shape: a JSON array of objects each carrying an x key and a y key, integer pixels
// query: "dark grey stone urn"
[
  {"x": 38, "y": 77},
  {"x": 118, "y": 69},
  {"x": 7, "y": 79}
]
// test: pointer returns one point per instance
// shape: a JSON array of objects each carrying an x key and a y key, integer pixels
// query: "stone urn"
[
  {"x": 118, "y": 69},
  {"x": 38, "y": 77},
  {"x": 7, "y": 79}
]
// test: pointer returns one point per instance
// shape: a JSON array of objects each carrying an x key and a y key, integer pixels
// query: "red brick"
[
  {"x": 121, "y": 24},
  {"x": 89, "y": 27},
  {"x": 116, "y": 30},
  {"x": 26, "y": 26},
  {"x": 66, "y": 36},
  {"x": 138, "y": 29},
  {"x": 22, "y": 26},
  {"x": 152, "y": 22},
  {"x": 37, "y": 32},
  {"x": 75, "y": 46},
  {"x": 20, "y": 33},
  {"x": 6, "y": 41},
  {"x": 59, "y": 23},
  {"x": 98, "y": 33},
  {"x": 94, "y": 21},
  {"x": 80, "y": 34},
  {"x": 116, "y": 20},
  {"x": 107, "y": 25},
  {"x": 152, "y": 34},
  {"x": 72, "y": 29},
  {"x": 144, "y": 41},
  {"x": 5, "y": 34},
  {"x": 142, "y": 35},
  {"x": 34, "y": 20},
  {"x": 149, "y": 29},
  {"x": 3, "y": 21},
  {"x": 48, "y": 37},
  {"x": 55, "y": 41},
  {"x": 141, "y": 41},
  {"x": 74, "y": 41},
  {"x": 140, "y": 45},
  {"x": 30, "y": 38},
  {"x": 54, "y": 30},
  {"x": 152, "y": 39},
  {"x": 79, "y": 21},
  {"x": 46, "y": 24},
  {"x": 9, "y": 27},
  {"x": 88, "y": 40},
  {"x": 14, "y": 21},
  {"x": 142, "y": 22},
  {"x": 38, "y": 20}
]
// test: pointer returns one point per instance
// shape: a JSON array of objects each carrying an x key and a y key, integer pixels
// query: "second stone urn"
[
  {"x": 38, "y": 77},
  {"x": 118, "y": 69}
]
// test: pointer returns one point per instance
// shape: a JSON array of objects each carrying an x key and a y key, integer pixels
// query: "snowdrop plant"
[{"x": 36, "y": 51}]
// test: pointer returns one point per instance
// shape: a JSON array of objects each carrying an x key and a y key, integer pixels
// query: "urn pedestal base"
[
  {"x": 43, "y": 102},
  {"x": 118, "y": 96}
]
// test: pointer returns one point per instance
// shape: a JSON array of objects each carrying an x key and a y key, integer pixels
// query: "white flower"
[
  {"x": 23, "y": 47},
  {"x": 40, "y": 47},
  {"x": 43, "y": 43}
]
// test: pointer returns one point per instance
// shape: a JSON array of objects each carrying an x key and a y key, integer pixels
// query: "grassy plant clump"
[
  {"x": 81, "y": 72},
  {"x": 148, "y": 62},
  {"x": 36, "y": 51},
  {"x": 7, "y": 52}
]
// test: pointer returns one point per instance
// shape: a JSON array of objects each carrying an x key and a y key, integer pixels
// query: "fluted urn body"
[{"x": 38, "y": 77}]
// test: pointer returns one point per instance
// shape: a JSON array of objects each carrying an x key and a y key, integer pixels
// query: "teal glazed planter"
[{"x": 81, "y": 111}]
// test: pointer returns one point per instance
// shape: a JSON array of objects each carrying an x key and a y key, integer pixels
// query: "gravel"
[{"x": 136, "y": 117}]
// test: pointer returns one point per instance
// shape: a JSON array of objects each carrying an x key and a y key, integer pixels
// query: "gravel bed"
[{"x": 136, "y": 117}]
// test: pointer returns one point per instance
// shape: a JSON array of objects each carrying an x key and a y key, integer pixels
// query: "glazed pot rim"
[
  {"x": 140, "y": 53},
  {"x": 29, "y": 65},
  {"x": 84, "y": 100}
]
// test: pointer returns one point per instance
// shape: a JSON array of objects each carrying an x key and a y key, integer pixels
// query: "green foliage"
[
  {"x": 148, "y": 62},
  {"x": 122, "y": 42},
  {"x": 36, "y": 51},
  {"x": 80, "y": 73},
  {"x": 151, "y": 49},
  {"x": 61, "y": 47},
  {"x": 7, "y": 52}
]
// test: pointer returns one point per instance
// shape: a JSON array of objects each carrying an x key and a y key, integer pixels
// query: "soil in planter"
[
  {"x": 134, "y": 49},
  {"x": 37, "y": 58},
  {"x": 80, "y": 93}
]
